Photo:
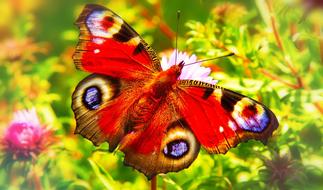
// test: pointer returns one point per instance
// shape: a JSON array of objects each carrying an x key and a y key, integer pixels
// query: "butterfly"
[{"x": 156, "y": 117}]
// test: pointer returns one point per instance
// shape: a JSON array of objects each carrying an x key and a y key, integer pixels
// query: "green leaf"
[{"x": 103, "y": 175}]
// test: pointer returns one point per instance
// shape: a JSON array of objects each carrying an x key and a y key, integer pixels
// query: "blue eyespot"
[
  {"x": 257, "y": 123},
  {"x": 176, "y": 149},
  {"x": 92, "y": 98}
]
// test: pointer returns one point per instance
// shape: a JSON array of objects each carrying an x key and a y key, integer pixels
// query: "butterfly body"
[
  {"x": 165, "y": 80},
  {"x": 158, "y": 115},
  {"x": 152, "y": 95}
]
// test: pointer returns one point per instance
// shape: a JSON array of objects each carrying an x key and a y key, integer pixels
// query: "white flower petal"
[
  {"x": 190, "y": 72},
  {"x": 26, "y": 116},
  {"x": 164, "y": 64}
]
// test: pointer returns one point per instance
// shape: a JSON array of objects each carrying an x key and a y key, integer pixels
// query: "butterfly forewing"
[
  {"x": 108, "y": 45},
  {"x": 221, "y": 118}
]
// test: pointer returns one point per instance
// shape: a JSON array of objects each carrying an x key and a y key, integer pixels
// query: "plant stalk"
[{"x": 153, "y": 183}]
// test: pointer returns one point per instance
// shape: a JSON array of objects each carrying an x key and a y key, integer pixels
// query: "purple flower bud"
[{"x": 25, "y": 137}]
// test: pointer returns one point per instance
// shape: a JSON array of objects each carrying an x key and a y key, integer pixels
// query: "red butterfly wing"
[
  {"x": 220, "y": 118},
  {"x": 100, "y": 104},
  {"x": 108, "y": 45},
  {"x": 164, "y": 144}
]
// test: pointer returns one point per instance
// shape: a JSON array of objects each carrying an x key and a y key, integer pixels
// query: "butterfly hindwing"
[
  {"x": 221, "y": 118},
  {"x": 100, "y": 105},
  {"x": 108, "y": 45},
  {"x": 165, "y": 145}
]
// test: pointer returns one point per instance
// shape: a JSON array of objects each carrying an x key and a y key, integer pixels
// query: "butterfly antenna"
[
  {"x": 178, "y": 16},
  {"x": 203, "y": 60}
]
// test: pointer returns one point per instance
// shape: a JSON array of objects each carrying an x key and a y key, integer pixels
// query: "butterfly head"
[
  {"x": 166, "y": 79},
  {"x": 176, "y": 70}
]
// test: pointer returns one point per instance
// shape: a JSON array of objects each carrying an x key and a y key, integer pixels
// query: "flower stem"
[
  {"x": 35, "y": 178},
  {"x": 288, "y": 62},
  {"x": 153, "y": 183},
  {"x": 319, "y": 106},
  {"x": 274, "y": 27},
  {"x": 321, "y": 45},
  {"x": 245, "y": 60},
  {"x": 37, "y": 182},
  {"x": 277, "y": 78},
  {"x": 156, "y": 19}
]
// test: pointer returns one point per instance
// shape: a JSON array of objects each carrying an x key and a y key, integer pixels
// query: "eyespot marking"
[
  {"x": 250, "y": 116},
  {"x": 102, "y": 24},
  {"x": 107, "y": 22},
  {"x": 92, "y": 98},
  {"x": 249, "y": 111},
  {"x": 176, "y": 149}
]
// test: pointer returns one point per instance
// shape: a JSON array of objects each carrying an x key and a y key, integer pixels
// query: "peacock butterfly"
[{"x": 158, "y": 115}]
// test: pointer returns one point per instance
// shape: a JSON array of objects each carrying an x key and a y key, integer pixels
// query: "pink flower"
[
  {"x": 189, "y": 72},
  {"x": 25, "y": 137}
]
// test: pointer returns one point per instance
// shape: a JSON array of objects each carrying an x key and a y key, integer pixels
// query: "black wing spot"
[
  {"x": 140, "y": 47},
  {"x": 207, "y": 93},
  {"x": 228, "y": 100},
  {"x": 92, "y": 97},
  {"x": 109, "y": 19},
  {"x": 176, "y": 149},
  {"x": 124, "y": 34}
]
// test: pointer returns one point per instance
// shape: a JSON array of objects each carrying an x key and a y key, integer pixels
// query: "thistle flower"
[
  {"x": 25, "y": 137},
  {"x": 189, "y": 72},
  {"x": 281, "y": 170}
]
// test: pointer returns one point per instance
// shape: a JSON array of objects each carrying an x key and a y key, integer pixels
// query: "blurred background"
[{"x": 279, "y": 58}]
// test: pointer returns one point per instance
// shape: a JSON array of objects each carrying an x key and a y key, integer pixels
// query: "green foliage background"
[{"x": 278, "y": 61}]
